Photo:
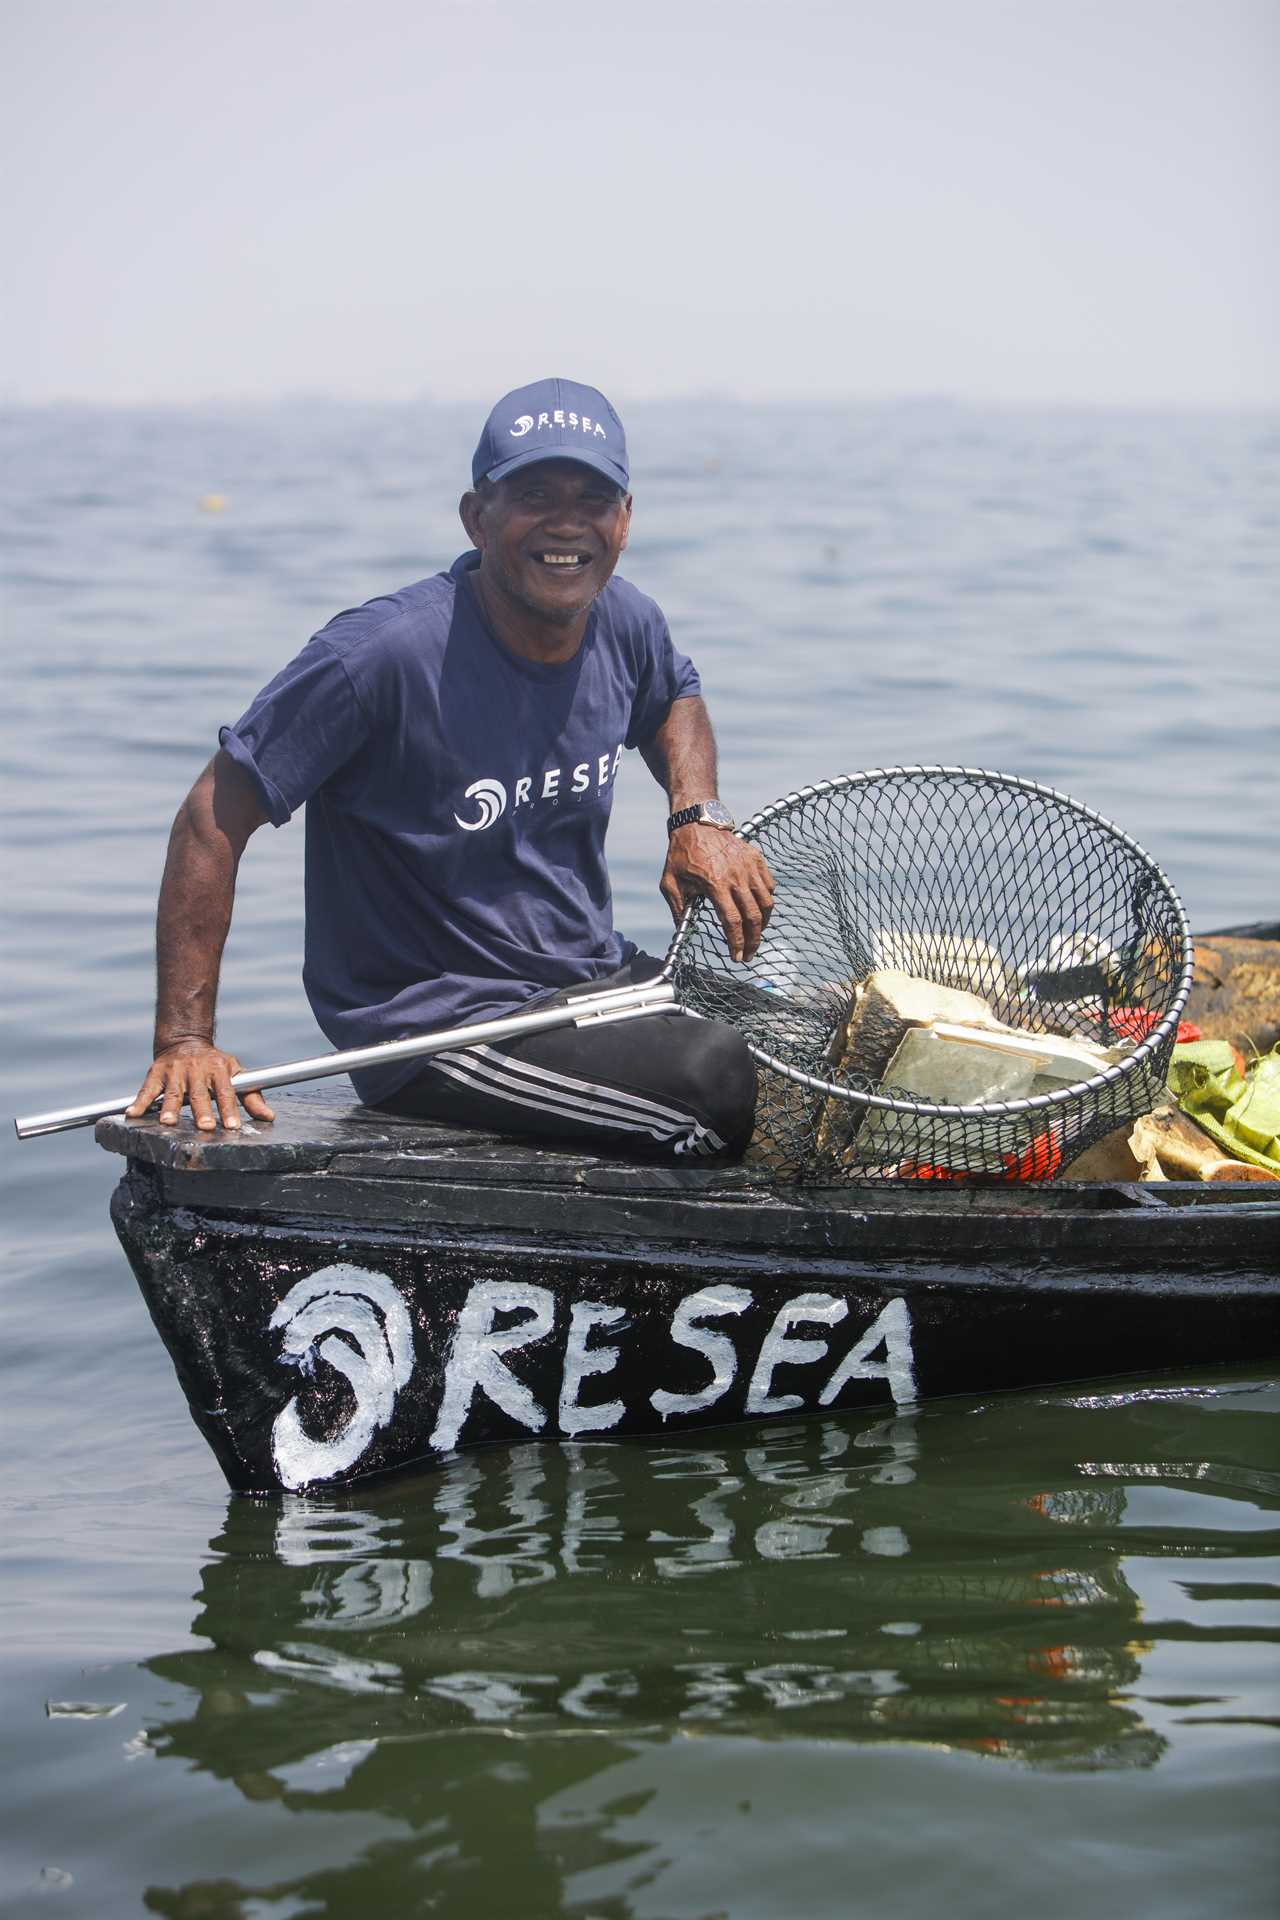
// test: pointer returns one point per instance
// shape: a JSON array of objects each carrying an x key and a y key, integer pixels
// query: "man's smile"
[{"x": 549, "y": 537}]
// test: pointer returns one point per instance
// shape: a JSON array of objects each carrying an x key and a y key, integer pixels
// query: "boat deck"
[{"x": 327, "y": 1159}]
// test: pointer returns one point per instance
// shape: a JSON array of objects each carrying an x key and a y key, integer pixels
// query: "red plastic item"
[
  {"x": 1135, "y": 1023},
  {"x": 1039, "y": 1161}
]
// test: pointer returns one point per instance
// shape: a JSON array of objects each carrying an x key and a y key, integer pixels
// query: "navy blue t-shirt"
[{"x": 457, "y": 800}]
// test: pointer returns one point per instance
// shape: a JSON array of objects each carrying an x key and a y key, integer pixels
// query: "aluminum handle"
[{"x": 616, "y": 1003}]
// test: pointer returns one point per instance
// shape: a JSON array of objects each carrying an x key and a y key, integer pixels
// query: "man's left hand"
[{"x": 730, "y": 873}]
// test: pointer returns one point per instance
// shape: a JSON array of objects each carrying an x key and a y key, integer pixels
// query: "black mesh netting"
[{"x": 971, "y": 880}]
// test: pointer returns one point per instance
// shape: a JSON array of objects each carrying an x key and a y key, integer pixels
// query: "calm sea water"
[{"x": 991, "y": 1655}]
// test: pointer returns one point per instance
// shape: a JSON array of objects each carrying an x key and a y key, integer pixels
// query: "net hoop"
[{"x": 1049, "y": 1103}]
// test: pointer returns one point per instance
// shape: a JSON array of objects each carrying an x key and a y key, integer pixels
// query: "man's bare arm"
[
  {"x": 209, "y": 835},
  {"x": 702, "y": 859}
]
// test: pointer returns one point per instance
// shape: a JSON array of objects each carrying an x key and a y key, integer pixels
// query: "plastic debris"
[{"x": 1236, "y": 1105}]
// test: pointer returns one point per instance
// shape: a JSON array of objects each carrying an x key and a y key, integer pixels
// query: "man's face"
[{"x": 549, "y": 537}]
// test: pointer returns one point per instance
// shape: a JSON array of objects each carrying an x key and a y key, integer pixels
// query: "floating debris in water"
[{"x": 84, "y": 1709}]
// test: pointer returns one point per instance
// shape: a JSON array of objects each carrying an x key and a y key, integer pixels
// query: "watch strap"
[{"x": 703, "y": 811}]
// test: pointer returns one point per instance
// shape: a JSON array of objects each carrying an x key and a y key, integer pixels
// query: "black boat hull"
[{"x": 333, "y": 1317}]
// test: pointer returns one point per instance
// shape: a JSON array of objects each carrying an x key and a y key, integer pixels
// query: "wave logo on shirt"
[
  {"x": 491, "y": 798},
  {"x": 553, "y": 785}
]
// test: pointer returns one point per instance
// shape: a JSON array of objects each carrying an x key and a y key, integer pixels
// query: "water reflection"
[{"x": 456, "y": 1653}]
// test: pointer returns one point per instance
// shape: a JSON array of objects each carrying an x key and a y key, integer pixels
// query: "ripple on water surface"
[{"x": 927, "y": 1651}]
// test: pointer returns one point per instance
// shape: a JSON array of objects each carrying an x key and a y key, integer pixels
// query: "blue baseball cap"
[{"x": 551, "y": 420}]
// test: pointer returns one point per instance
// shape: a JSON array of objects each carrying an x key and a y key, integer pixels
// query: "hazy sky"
[{"x": 1010, "y": 199}]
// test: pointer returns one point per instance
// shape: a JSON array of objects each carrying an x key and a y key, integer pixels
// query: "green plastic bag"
[
  {"x": 1240, "y": 1111},
  {"x": 1255, "y": 1116}
]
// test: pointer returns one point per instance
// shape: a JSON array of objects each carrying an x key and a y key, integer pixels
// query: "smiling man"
[{"x": 456, "y": 744}]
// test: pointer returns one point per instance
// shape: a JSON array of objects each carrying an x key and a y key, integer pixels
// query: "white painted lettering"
[
  {"x": 474, "y": 1356},
  {"x": 892, "y": 1327},
  {"x": 558, "y": 416},
  {"x": 779, "y": 1348},
  {"x": 579, "y": 1363},
  {"x": 586, "y": 423},
  {"x": 522, "y": 793},
  {"x": 603, "y": 774},
  {"x": 550, "y": 782},
  {"x": 716, "y": 1348},
  {"x": 600, "y": 430},
  {"x": 543, "y": 420},
  {"x": 617, "y": 758},
  {"x": 573, "y": 419},
  {"x": 582, "y": 777}
]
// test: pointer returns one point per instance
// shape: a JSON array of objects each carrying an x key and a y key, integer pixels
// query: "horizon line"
[{"x": 689, "y": 396}]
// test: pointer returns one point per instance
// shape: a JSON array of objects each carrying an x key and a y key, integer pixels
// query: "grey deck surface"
[
  {"x": 329, "y": 1161},
  {"x": 316, "y": 1130}
]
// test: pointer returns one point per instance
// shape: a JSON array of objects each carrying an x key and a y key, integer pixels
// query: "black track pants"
[{"x": 661, "y": 1086}]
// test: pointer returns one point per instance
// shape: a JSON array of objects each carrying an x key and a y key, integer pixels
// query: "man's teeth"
[{"x": 561, "y": 559}]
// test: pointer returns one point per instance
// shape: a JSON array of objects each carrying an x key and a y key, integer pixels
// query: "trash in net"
[{"x": 967, "y": 976}]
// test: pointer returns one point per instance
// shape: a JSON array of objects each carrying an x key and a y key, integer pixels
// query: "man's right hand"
[{"x": 197, "y": 1072}]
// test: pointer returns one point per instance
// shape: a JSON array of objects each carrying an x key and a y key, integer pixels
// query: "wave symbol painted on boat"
[{"x": 357, "y": 1321}]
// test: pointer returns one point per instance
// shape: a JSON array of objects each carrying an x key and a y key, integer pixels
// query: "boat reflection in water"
[{"x": 476, "y": 1657}]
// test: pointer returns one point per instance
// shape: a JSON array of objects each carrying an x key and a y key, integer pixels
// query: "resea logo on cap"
[{"x": 579, "y": 423}]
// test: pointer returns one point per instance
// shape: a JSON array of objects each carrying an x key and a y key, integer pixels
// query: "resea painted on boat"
[{"x": 346, "y": 1294}]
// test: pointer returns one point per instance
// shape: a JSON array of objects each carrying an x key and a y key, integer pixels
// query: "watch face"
[{"x": 717, "y": 813}]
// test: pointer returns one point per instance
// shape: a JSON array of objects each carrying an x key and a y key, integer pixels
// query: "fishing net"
[{"x": 977, "y": 882}]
